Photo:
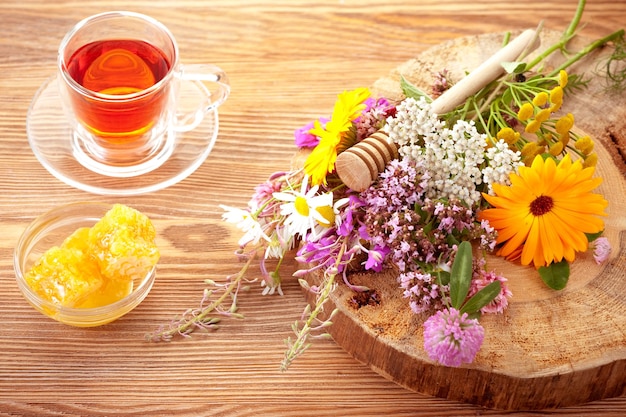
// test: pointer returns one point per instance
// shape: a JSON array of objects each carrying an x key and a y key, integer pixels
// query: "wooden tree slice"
[{"x": 550, "y": 348}]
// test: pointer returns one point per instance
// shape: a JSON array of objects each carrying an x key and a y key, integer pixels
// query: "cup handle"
[{"x": 212, "y": 82}]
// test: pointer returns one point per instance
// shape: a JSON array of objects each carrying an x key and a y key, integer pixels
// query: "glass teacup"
[{"x": 119, "y": 76}]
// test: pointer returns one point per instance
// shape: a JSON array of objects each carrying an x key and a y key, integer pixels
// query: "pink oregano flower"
[{"x": 451, "y": 338}]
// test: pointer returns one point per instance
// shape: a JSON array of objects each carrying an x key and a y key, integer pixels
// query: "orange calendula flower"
[
  {"x": 542, "y": 217},
  {"x": 348, "y": 107}
]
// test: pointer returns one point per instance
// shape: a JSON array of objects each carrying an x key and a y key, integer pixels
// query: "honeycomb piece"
[
  {"x": 65, "y": 276},
  {"x": 97, "y": 266},
  {"x": 123, "y": 242}
]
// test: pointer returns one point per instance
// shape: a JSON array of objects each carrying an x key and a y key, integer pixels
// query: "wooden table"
[{"x": 287, "y": 60}]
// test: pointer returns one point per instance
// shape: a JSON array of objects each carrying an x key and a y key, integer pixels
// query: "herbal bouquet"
[{"x": 503, "y": 173}]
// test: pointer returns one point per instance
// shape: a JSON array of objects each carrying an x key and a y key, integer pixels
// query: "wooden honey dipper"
[{"x": 359, "y": 165}]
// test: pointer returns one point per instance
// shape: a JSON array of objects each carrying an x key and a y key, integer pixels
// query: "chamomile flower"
[
  {"x": 247, "y": 222},
  {"x": 331, "y": 215},
  {"x": 300, "y": 208}
]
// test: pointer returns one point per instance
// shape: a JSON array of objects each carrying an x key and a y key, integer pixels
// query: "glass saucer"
[{"x": 51, "y": 140}]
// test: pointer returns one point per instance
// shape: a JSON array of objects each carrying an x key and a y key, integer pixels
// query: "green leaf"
[
  {"x": 514, "y": 67},
  {"x": 593, "y": 236},
  {"x": 443, "y": 277},
  {"x": 482, "y": 298},
  {"x": 412, "y": 91},
  {"x": 422, "y": 213},
  {"x": 452, "y": 240},
  {"x": 555, "y": 275},
  {"x": 461, "y": 274},
  {"x": 475, "y": 315}
]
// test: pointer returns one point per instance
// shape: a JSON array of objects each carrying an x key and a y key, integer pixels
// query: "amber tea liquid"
[{"x": 118, "y": 68}]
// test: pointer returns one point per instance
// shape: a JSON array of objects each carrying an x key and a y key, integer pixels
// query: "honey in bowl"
[
  {"x": 119, "y": 68},
  {"x": 97, "y": 266}
]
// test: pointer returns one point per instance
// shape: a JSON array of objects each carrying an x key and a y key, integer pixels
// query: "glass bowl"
[{"x": 50, "y": 229}]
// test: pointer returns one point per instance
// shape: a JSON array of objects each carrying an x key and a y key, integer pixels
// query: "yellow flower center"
[
  {"x": 301, "y": 205},
  {"x": 541, "y": 205},
  {"x": 328, "y": 214}
]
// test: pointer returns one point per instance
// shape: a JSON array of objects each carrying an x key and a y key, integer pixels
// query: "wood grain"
[{"x": 287, "y": 60}]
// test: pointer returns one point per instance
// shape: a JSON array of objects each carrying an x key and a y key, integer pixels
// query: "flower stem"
[
  {"x": 582, "y": 53},
  {"x": 576, "y": 20},
  {"x": 187, "y": 325},
  {"x": 300, "y": 345},
  {"x": 567, "y": 36}
]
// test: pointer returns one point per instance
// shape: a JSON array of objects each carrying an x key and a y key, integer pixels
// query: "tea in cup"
[{"x": 119, "y": 77}]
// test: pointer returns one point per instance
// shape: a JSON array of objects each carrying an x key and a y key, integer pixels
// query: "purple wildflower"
[
  {"x": 440, "y": 84},
  {"x": 373, "y": 117},
  {"x": 601, "y": 250},
  {"x": 481, "y": 279},
  {"x": 264, "y": 192},
  {"x": 335, "y": 249},
  {"x": 351, "y": 215},
  {"x": 423, "y": 291},
  {"x": 304, "y": 139},
  {"x": 451, "y": 338},
  {"x": 376, "y": 258}
]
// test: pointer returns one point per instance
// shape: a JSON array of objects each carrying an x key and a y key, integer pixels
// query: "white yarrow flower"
[
  {"x": 452, "y": 156},
  {"x": 502, "y": 161}
]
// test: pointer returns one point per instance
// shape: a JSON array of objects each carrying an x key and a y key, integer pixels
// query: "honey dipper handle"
[
  {"x": 359, "y": 165},
  {"x": 485, "y": 73}
]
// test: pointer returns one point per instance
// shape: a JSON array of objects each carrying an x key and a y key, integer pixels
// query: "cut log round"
[{"x": 550, "y": 348}]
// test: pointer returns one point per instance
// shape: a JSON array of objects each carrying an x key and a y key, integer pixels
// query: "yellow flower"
[
  {"x": 556, "y": 98},
  {"x": 556, "y": 94},
  {"x": 509, "y": 135},
  {"x": 530, "y": 150},
  {"x": 591, "y": 160},
  {"x": 555, "y": 107},
  {"x": 562, "y": 78},
  {"x": 556, "y": 148},
  {"x": 564, "y": 124},
  {"x": 543, "y": 115},
  {"x": 540, "y": 99},
  {"x": 533, "y": 126},
  {"x": 348, "y": 107},
  {"x": 584, "y": 145},
  {"x": 544, "y": 214},
  {"x": 525, "y": 112}
]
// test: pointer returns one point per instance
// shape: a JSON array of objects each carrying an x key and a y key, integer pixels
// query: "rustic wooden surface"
[{"x": 287, "y": 60}]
